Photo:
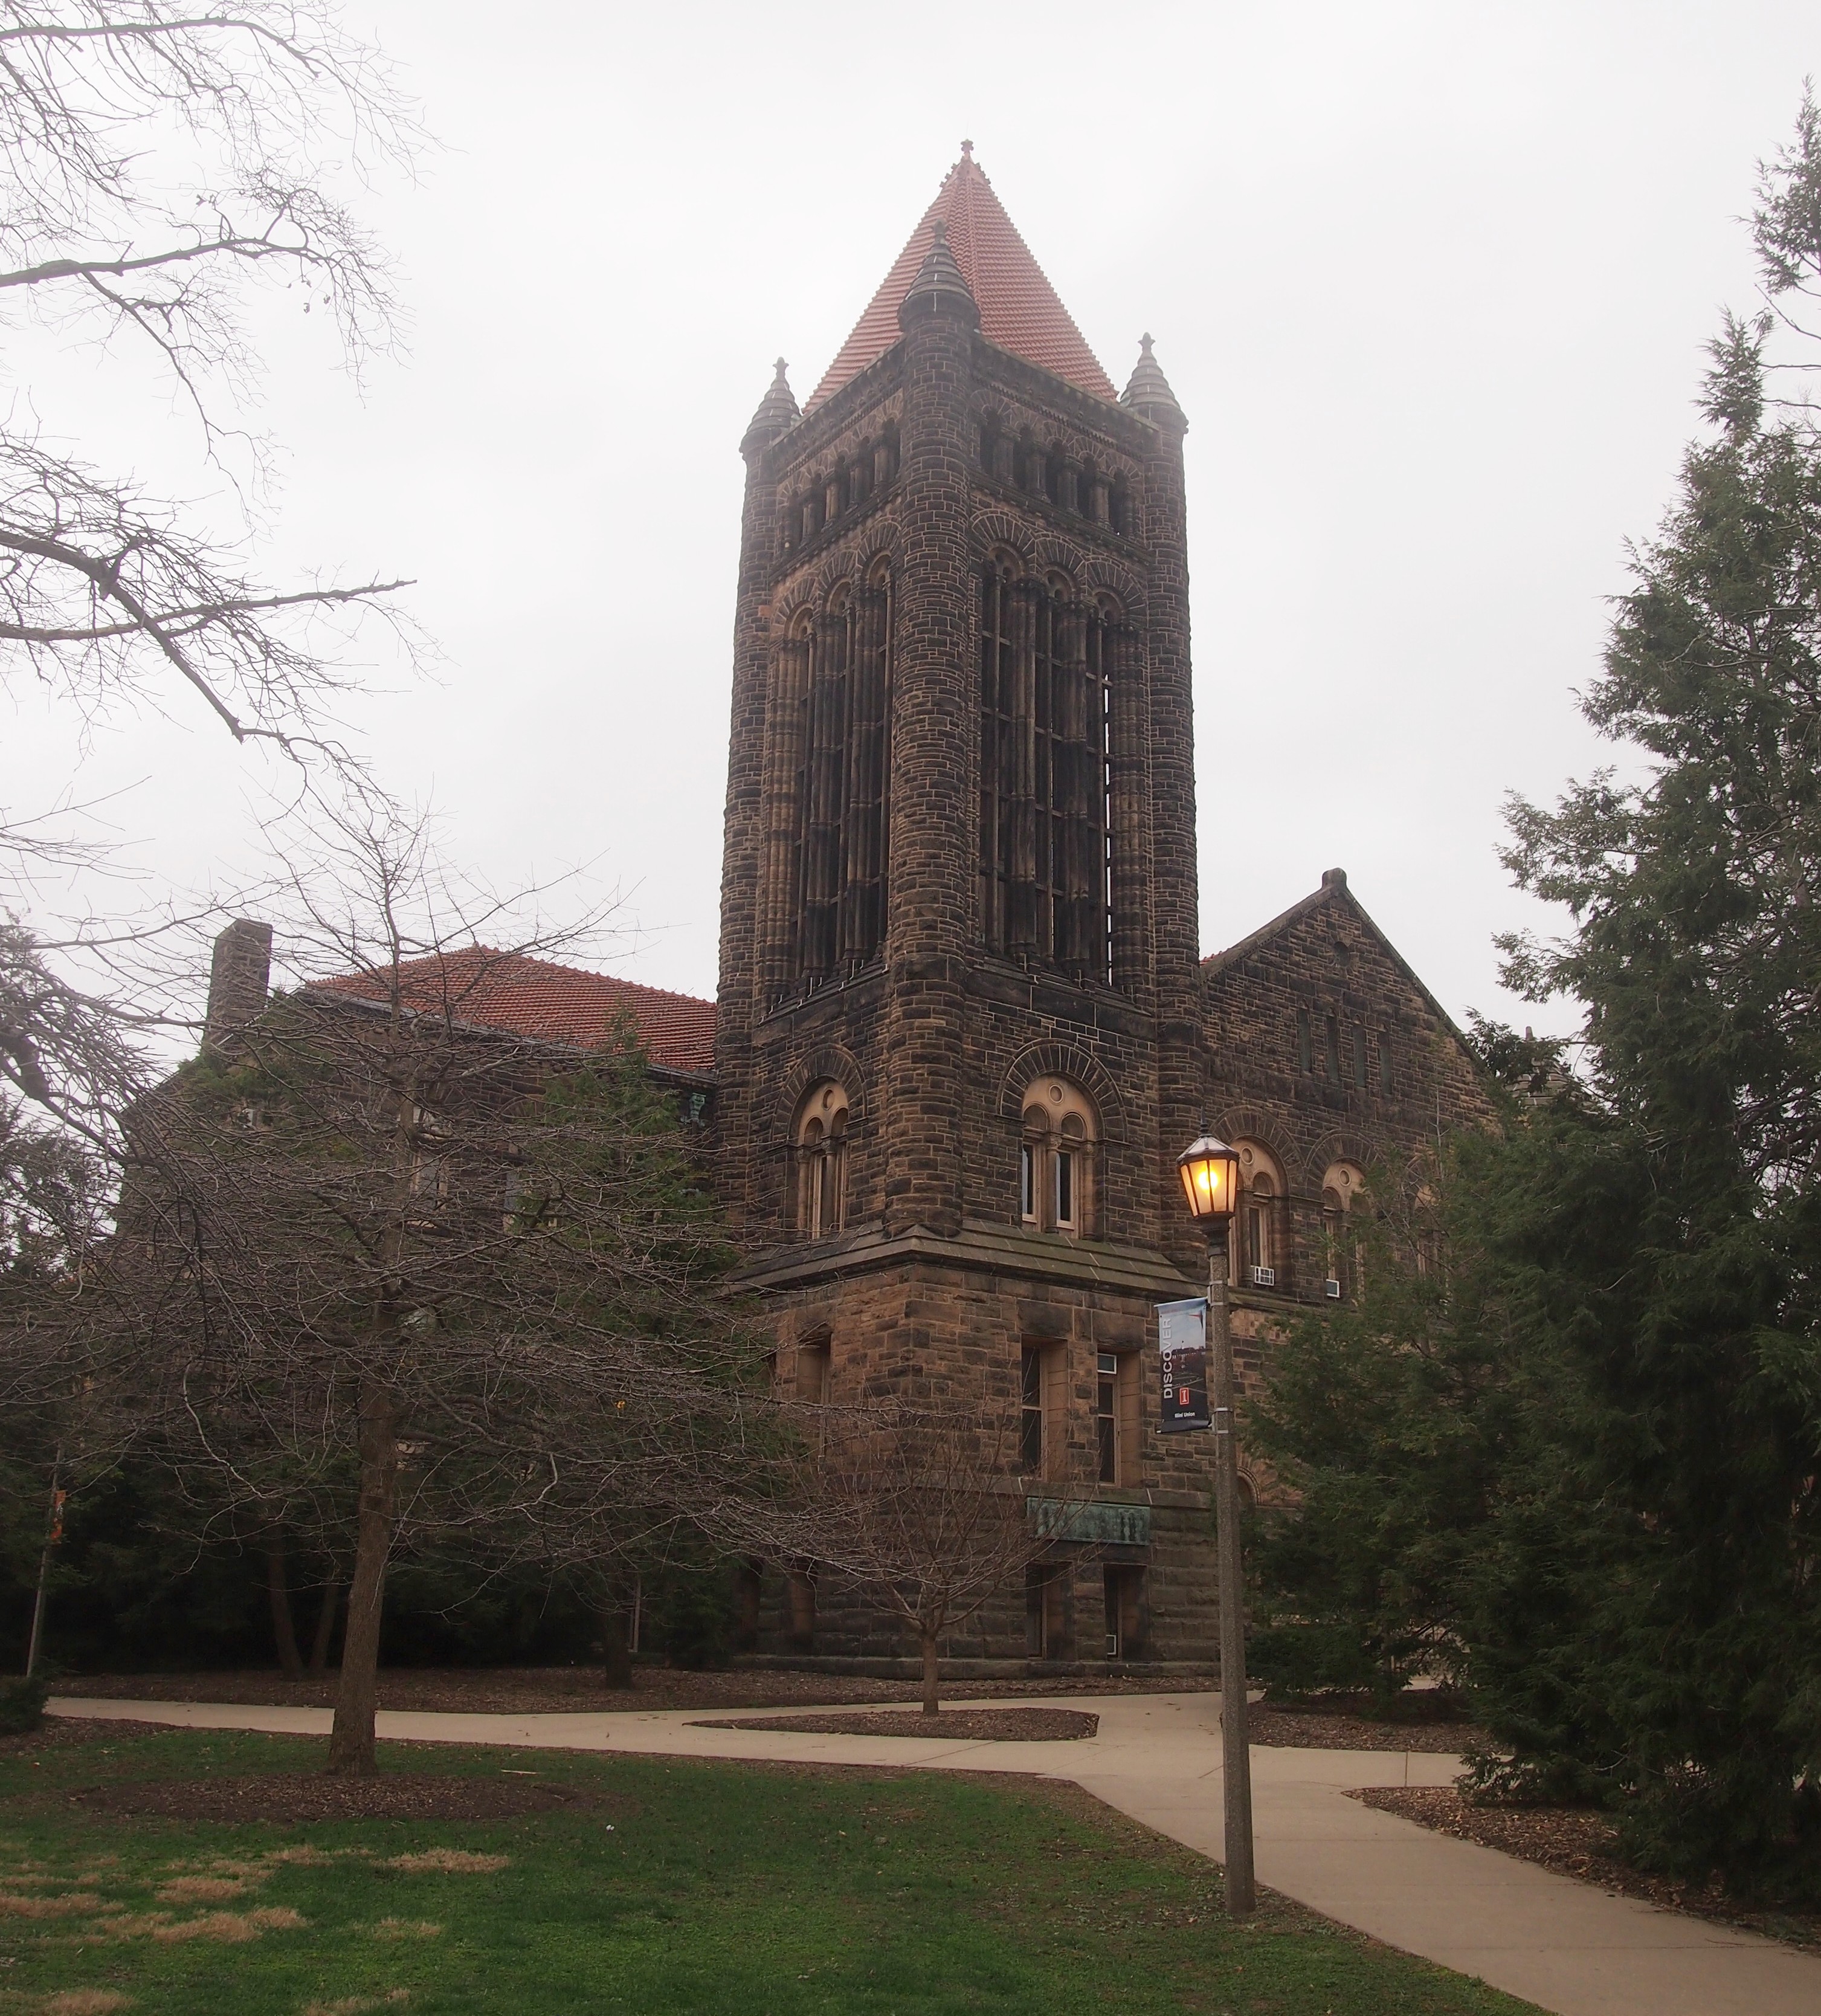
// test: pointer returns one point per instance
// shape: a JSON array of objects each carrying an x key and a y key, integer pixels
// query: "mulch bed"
[
  {"x": 291, "y": 1797},
  {"x": 1573, "y": 1841},
  {"x": 578, "y": 1690},
  {"x": 953, "y": 1725},
  {"x": 1320, "y": 1729},
  {"x": 62, "y": 1731}
]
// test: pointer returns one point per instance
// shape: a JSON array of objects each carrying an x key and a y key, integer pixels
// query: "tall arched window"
[
  {"x": 1045, "y": 757},
  {"x": 1057, "y": 1151},
  {"x": 822, "y": 1160},
  {"x": 1257, "y": 1258},
  {"x": 1339, "y": 1186},
  {"x": 837, "y": 669}
]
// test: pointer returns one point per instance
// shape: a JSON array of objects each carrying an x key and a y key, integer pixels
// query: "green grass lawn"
[{"x": 742, "y": 1890}]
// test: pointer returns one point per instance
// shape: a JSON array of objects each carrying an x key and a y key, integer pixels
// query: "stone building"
[{"x": 964, "y": 1027}]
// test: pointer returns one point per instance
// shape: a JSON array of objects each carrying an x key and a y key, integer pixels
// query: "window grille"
[{"x": 1044, "y": 774}]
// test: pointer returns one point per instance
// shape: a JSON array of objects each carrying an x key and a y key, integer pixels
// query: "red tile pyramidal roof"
[
  {"x": 551, "y": 1003},
  {"x": 1019, "y": 309}
]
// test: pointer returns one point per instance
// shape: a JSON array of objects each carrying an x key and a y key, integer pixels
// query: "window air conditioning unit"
[
  {"x": 1264, "y": 1277},
  {"x": 1334, "y": 1288}
]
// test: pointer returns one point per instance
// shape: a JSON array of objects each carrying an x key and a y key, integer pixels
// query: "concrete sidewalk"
[{"x": 1561, "y": 1944}]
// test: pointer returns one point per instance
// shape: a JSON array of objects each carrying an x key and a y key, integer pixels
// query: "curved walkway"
[{"x": 1564, "y": 1946}]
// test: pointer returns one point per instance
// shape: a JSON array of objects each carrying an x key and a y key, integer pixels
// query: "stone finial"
[
  {"x": 967, "y": 150},
  {"x": 1148, "y": 393},
  {"x": 240, "y": 979},
  {"x": 939, "y": 288},
  {"x": 1333, "y": 878},
  {"x": 777, "y": 414}
]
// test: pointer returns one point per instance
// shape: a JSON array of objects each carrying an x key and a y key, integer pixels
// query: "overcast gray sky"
[{"x": 1431, "y": 282}]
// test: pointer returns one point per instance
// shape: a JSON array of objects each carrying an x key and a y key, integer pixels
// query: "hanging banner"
[{"x": 1182, "y": 1336}]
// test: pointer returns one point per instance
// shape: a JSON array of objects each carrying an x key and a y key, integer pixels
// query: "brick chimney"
[{"x": 239, "y": 975}]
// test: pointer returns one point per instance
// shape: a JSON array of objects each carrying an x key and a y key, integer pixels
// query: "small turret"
[
  {"x": 939, "y": 289},
  {"x": 777, "y": 415},
  {"x": 239, "y": 980},
  {"x": 1148, "y": 394}
]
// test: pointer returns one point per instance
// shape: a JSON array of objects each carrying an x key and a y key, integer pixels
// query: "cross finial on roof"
[
  {"x": 781, "y": 367},
  {"x": 1148, "y": 393},
  {"x": 967, "y": 150}
]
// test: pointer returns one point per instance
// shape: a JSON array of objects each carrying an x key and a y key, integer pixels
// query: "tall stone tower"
[{"x": 960, "y": 1028}]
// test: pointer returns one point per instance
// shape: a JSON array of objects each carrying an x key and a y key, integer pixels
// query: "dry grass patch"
[
  {"x": 69, "y": 1905},
  {"x": 231, "y": 1928},
  {"x": 406, "y": 1928},
  {"x": 448, "y": 1862},
  {"x": 85, "y": 2002},
  {"x": 203, "y": 1889},
  {"x": 355, "y": 2005}
]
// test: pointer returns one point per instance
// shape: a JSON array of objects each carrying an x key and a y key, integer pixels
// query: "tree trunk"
[
  {"x": 616, "y": 1638},
  {"x": 932, "y": 1694},
  {"x": 325, "y": 1623},
  {"x": 356, "y": 1700},
  {"x": 278, "y": 1592}
]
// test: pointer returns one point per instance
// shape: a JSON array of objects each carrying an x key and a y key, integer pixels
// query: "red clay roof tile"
[
  {"x": 1019, "y": 309},
  {"x": 556, "y": 1004}
]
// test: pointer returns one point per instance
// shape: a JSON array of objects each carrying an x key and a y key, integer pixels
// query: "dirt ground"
[
  {"x": 953, "y": 1725},
  {"x": 1573, "y": 1841},
  {"x": 290, "y": 1797},
  {"x": 577, "y": 1689},
  {"x": 1326, "y": 1728}
]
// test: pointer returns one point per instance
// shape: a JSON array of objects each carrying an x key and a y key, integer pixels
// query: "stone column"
[
  {"x": 935, "y": 738},
  {"x": 737, "y": 1003}
]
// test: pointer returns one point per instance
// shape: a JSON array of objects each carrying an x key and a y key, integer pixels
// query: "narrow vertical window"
[
  {"x": 1359, "y": 1056},
  {"x": 1305, "y": 1050},
  {"x": 840, "y": 673},
  {"x": 1260, "y": 1256},
  {"x": 866, "y": 821},
  {"x": 1044, "y": 774},
  {"x": 1384, "y": 1064},
  {"x": 1002, "y": 756},
  {"x": 1331, "y": 1048},
  {"x": 825, "y": 795},
  {"x": 1030, "y": 1411},
  {"x": 1107, "y": 1416},
  {"x": 1027, "y": 1182},
  {"x": 1065, "y": 1190}
]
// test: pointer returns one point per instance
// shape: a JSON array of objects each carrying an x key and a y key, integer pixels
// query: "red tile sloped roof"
[
  {"x": 1019, "y": 310},
  {"x": 555, "y": 1004}
]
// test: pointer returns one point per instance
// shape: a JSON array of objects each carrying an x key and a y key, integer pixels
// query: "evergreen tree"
[{"x": 1611, "y": 1524}]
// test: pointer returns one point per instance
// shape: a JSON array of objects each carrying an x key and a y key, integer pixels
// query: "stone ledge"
[{"x": 995, "y": 1250}]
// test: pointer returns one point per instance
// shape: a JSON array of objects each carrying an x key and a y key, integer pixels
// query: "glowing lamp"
[{"x": 1211, "y": 1181}]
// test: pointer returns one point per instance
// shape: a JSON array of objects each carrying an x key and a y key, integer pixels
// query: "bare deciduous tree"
[
  {"x": 157, "y": 161},
  {"x": 389, "y": 1269},
  {"x": 160, "y": 165},
  {"x": 915, "y": 1500}
]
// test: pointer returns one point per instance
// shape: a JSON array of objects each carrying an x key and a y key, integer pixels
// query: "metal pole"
[
  {"x": 1236, "y": 1752},
  {"x": 53, "y": 1532}
]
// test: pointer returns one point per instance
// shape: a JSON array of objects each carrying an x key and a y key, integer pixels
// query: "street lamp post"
[{"x": 1210, "y": 1172}]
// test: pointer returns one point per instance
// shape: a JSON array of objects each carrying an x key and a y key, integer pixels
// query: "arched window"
[
  {"x": 835, "y": 676},
  {"x": 1056, "y": 1155},
  {"x": 1339, "y": 1186},
  {"x": 1258, "y": 1256},
  {"x": 1044, "y": 769},
  {"x": 822, "y": 1160}
]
